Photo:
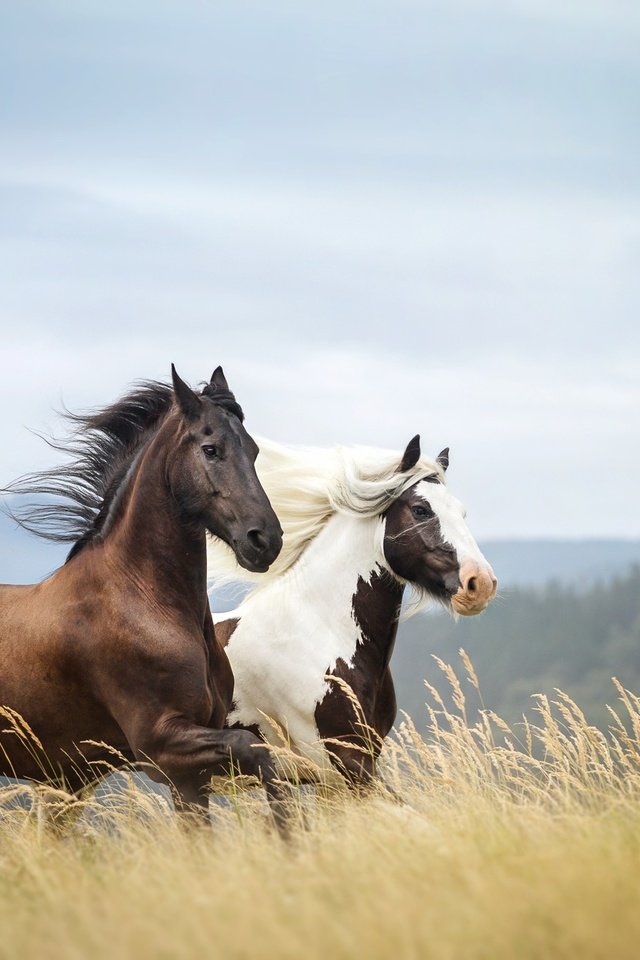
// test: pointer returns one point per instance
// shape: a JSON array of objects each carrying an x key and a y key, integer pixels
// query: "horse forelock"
[{"x": 224, "y": 399}]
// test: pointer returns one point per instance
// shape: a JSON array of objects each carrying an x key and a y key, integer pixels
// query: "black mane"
[{"x": 75, "y": 497}]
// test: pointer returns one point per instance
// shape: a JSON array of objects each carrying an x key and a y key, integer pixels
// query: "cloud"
[
  {"x": 380, "y": 218},
  {"x": 538, "y": 449},
  {"x": 401, "y": 268}
]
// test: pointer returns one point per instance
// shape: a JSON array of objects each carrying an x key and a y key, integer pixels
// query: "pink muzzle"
[{"x": 477, "y": 589}]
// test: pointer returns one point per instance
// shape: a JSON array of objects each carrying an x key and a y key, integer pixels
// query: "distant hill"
[{"x": 579, "y": 563}]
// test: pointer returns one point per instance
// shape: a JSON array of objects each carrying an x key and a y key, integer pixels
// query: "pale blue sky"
[{"x": 381, "y": 218}]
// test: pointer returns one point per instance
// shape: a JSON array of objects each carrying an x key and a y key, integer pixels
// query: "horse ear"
[
  {"x": 443, "y": 458},
  {"x": 219, "y": 381},
  {"x": 411, "y": 455},
  {"x": 188, "y": 401}
]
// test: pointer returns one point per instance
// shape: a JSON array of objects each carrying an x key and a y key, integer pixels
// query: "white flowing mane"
[{"x": 307, "y": 485}]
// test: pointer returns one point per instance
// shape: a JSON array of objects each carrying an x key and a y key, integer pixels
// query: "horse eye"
[
  {"x": 210, "y": 451},
  {"x": 422, "y": 511}
]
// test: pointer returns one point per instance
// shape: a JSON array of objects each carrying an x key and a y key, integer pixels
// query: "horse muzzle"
[
  {"x": 477, "y": 588},
  {"x": 257, "y": 549}
]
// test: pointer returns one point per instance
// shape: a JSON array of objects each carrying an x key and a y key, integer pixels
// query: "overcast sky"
[{"x": 380, "y": 217}]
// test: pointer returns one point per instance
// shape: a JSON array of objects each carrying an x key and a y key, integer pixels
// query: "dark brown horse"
[{"x": 117, "y": 647}]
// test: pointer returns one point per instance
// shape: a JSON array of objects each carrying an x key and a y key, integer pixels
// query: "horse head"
[
  {"x": 427, "y": 541},
  {"x": 212, "y": 473}
]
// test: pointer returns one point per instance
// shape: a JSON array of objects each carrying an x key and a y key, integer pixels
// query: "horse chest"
[
  {"x": 280, "y": 669},
  {"x": 294, "y": 634}
]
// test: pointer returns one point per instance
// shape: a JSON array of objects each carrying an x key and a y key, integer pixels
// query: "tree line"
[{"x": 530, "y": 641}]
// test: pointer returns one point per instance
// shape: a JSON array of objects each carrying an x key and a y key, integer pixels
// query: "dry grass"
[{"x": 510, "y": 845}]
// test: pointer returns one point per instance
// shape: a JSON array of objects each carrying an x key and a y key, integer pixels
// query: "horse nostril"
[
  {"x": 257, "y": 538},
  {"x": 472, "y": 584}
]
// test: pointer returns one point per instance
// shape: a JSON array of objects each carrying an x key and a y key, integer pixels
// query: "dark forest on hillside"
[{"x": 530, "y": 641}]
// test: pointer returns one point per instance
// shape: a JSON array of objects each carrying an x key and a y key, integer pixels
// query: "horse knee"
[
  {"x": 356, "y": 766},
  {"x": 250, "y": 755}
]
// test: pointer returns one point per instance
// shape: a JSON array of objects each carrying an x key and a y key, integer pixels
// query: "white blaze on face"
[
  {"x": 477, "y": 581},
  {"x": 451, "y": 517}
]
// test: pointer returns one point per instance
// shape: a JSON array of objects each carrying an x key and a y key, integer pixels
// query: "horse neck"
[
  {"x": 343, "y": 575},
  {"x": 150, "y": 539}
]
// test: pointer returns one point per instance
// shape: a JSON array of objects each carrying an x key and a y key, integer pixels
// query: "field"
[{"x": 510, "y": 844}]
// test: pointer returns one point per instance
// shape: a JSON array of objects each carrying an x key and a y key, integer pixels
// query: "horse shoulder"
[
  {"x": 141, "y": 656},
  {"x": 41, "y": 621}
]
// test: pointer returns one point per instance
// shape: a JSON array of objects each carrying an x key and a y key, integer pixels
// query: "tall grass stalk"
[{"x": 511, "y": 843}]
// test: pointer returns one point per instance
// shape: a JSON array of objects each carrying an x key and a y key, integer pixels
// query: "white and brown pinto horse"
[{"x": 359, "y": 525}]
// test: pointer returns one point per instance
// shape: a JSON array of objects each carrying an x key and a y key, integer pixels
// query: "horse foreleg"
[
  {"x": 355, "y": 762},
  {"x": 189, "y": 755},
  {"x": 359, "y": 769}
]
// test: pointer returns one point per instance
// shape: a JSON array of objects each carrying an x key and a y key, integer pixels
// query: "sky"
[{"x": 381, "y": 218}]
